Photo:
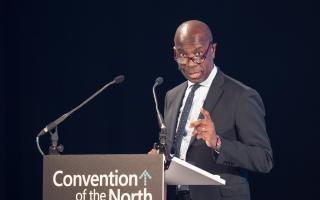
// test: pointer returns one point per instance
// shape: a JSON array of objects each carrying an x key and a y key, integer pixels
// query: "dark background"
[{"x": 54, "y": 54}]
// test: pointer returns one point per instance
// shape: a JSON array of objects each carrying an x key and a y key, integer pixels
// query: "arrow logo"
[{"x": 145, "y": 175}]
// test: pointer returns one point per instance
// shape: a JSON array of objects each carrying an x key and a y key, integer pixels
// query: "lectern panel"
[{"x": 103, "y": 177}]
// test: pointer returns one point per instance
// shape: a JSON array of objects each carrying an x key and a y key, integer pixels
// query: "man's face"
[{"x": 189, "y": 56}]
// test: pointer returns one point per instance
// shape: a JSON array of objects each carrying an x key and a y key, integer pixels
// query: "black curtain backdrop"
[{"x": 56, "y": 53}]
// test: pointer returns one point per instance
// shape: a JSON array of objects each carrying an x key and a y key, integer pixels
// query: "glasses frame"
[{"x": 194, "y": 58}]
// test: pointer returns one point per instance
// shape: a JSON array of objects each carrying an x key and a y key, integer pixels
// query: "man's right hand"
[{"x": 153, "y": 152}]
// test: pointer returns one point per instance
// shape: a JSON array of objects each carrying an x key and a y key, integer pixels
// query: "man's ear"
[{"x": 213, "y": 50}]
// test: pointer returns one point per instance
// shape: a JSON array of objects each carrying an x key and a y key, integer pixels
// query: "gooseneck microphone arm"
[
  {"x": 158, "y": 81},
  {"x": 54, "y": 149},
  {"x": 161, "y": 146}
]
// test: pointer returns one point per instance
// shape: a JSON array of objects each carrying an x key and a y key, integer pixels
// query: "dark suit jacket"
[{"x": 238, "y": 115}]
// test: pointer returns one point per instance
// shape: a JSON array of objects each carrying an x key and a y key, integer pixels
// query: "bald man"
[{"x": 214, "y": 121}]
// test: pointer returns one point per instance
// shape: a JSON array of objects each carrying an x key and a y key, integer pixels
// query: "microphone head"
[
  {"x": 119, "y": 79},
  {"x": 159, "y": 80}
]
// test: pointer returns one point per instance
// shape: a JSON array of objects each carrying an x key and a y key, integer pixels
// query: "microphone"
[
  {"x": 118, "y": 79},
  {"x": 161, "y": 146},
  {"x": 55, "y": 123},
  {"x": 158, "y": 81},
  {"x": 163, "y": 129},
  {"x": 52, "y": 125}
]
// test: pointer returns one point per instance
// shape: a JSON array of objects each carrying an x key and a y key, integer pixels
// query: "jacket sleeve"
[{"x": 252, "y": 149}]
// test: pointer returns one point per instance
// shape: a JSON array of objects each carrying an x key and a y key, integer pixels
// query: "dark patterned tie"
[{"x": 183, "y": 120}]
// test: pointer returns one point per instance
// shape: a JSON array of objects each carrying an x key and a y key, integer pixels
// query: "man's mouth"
[{"x": 194, "y": 75}]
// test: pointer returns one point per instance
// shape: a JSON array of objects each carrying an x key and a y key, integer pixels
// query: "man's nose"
[{"x": 190, "y": 63}]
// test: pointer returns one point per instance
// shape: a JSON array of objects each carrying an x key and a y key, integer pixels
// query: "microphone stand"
[
  {"x": 161, "y": 146},
  {"x": 55, "y": 149}
]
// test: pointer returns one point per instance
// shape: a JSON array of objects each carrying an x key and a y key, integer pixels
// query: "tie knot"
[{"x": 195, "y": 87}]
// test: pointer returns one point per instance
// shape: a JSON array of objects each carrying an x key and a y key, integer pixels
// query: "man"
[{"x": 213, "y": 121}]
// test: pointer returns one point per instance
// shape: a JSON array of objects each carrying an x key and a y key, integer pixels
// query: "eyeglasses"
[{"x": 196, "y": 59}]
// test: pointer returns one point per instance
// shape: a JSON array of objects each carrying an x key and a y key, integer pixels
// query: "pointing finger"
[
  {"x": 206, "y": 114},
  {"x": 196, "y": 123}
]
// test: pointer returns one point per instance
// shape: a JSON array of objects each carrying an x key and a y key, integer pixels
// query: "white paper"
[{"x": 183, "y": 173}]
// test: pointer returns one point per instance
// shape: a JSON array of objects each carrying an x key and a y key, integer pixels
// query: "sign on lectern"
[{"x": 103, "y": 177}]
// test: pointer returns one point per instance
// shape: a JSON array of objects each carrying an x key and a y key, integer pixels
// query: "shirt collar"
[{"x": 209, "y": 80}]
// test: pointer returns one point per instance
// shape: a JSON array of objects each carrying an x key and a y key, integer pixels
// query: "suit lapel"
[
  {"x": 214, "y": 94},
  {"x": 177, "y": 101}
]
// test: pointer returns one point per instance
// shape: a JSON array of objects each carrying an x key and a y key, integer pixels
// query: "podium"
[{"x": 117, "y": 177}]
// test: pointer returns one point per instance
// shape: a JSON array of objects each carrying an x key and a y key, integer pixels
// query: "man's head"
[{"x": 194, "y": 50}]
